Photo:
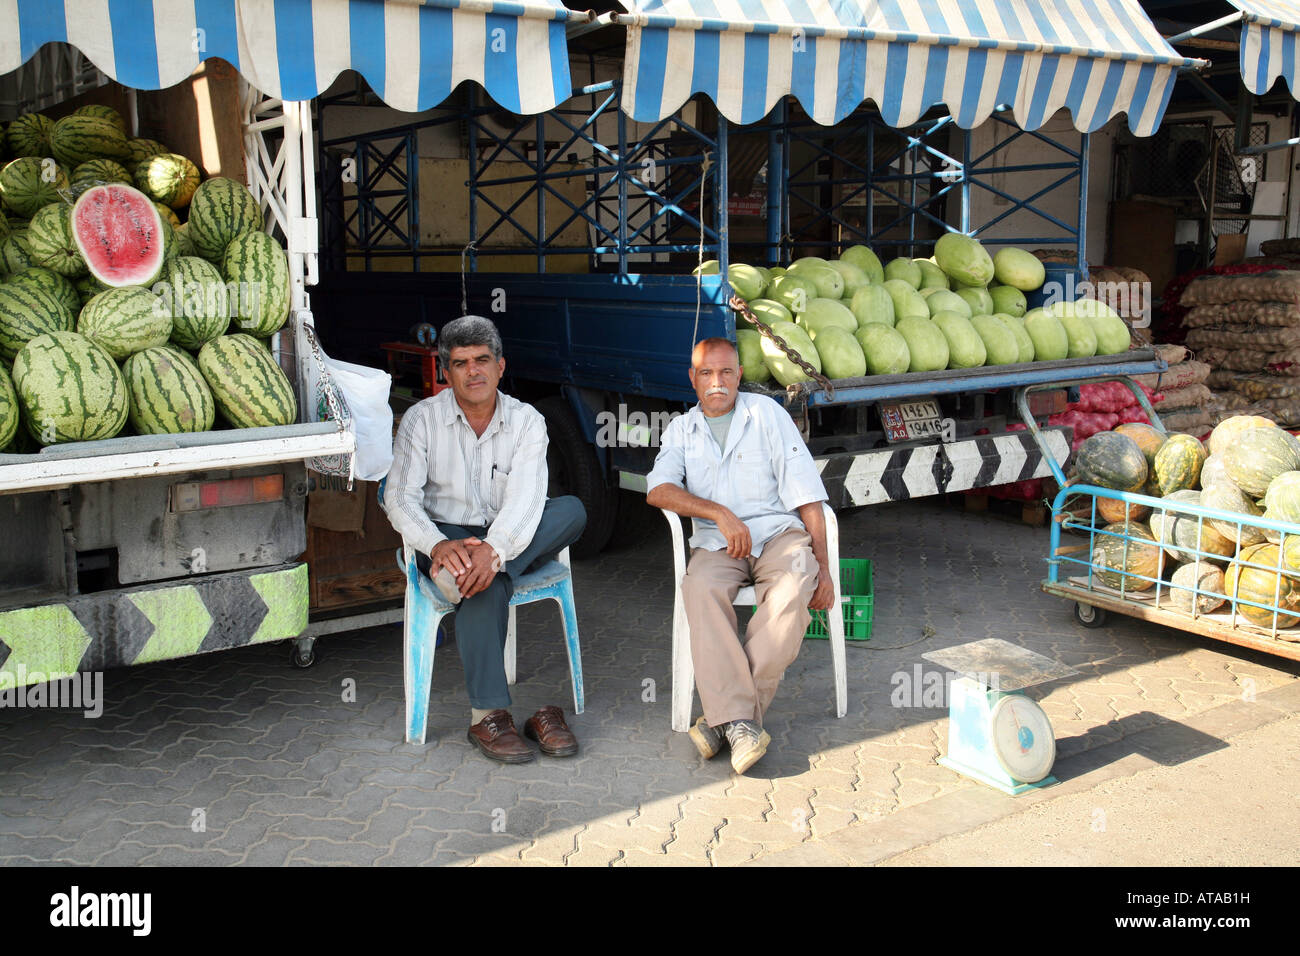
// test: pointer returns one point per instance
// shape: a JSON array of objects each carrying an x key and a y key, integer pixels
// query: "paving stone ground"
[{"x": 237, "y": 758}]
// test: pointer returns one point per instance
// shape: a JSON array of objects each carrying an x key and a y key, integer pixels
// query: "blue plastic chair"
[{"x": 425, "y": 609}]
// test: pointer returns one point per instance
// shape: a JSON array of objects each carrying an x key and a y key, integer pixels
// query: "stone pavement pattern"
[{"x": 237, "y": 758}]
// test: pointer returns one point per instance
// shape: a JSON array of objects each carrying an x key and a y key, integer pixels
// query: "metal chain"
[
  {"x": 765, "y": 330},
  {"x": 331, "y": 399}
]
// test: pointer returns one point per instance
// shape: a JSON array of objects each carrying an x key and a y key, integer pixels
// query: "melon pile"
[
  {"x": 1250, "y": 468},
  {"x": 134, "y": 298},
  {"x": 962, "y": 308}
]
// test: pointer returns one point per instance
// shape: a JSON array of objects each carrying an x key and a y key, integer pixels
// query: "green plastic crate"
[{"x": 858, "y": 594}]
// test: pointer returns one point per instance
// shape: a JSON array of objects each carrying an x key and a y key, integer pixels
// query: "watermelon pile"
[
  {"x": 1248, "y": 467},
  {"x": 135, "y": 298},
  {"x": 962, "y": 308}
]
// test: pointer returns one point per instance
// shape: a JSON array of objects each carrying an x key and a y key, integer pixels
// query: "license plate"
[{"x": 909, "y": 421}]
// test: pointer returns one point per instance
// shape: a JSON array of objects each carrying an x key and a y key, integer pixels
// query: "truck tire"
[{"x": 573, "y": 469}]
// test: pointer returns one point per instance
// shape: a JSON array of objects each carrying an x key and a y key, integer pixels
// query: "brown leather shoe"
[
  {"x": 552, "y": 734},
  {"x": 496, "y": 736}
]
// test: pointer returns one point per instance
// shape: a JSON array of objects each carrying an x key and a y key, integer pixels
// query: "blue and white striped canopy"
[
  {"x": 1095, "y": 58},
  {"x": 1268, "y": 43},
  {"x": 413, "y": 53}
]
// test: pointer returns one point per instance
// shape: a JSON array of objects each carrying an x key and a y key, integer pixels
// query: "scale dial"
[{"x": 1023, "y": 740}]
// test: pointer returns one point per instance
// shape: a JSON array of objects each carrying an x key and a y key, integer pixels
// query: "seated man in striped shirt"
[{"x": 467, "y": 489}]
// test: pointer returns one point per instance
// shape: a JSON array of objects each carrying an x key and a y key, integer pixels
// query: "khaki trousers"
[{"x": 737, "y": 680}]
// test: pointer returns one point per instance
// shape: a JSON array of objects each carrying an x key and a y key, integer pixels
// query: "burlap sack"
[
  {"x": 1252, "y": 360},
  {"x": 1244, "y": 337},
  {"x": 1190, "y": 396},
  {"x": 1178, "y": 376},
  {"x": 1242, "y": 313},
  {"x": 1280, "y": 247},
  {"x": 1280, "y": 286},
  {"x": 1258, "y": 387}
]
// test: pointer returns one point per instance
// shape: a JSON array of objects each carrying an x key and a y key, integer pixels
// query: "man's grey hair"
[{"x": 468, "y": 330}]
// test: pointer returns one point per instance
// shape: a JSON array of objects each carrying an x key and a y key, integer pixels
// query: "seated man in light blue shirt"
[{"x": 736, "y": 464}]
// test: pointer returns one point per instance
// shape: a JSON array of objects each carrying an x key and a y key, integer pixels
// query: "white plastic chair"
[
  {"x": 426, "y": 607},
  {"x": 684, "y": 667}
]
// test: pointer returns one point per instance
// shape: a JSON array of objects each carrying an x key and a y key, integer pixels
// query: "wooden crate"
[{"x": 347, "y": 569}]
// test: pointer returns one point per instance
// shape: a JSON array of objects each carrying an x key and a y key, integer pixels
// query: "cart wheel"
[
  {"x": 1089, "y": 616},
  {"x": 302, "y": 654}
]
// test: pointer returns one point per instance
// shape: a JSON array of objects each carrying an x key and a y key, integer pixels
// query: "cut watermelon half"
[{"x": 120, "y": 235}]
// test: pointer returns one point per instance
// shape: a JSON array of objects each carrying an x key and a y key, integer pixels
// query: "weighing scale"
[{"x": 996, "y": 734}]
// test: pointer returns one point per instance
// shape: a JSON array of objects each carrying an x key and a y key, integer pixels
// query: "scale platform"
[{"x": 996, "y": 734}]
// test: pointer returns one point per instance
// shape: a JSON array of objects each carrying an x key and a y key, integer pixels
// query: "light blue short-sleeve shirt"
[{"x": 763, "y": 474}]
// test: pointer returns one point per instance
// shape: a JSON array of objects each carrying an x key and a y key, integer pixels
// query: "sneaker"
[
  {"x": 445, "y": 582},
  {"x": 748, "y": 743},
  {"x": 708, "y": 740}
]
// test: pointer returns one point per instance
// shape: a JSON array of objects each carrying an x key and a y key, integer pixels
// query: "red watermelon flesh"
[{"x": 119, "y": 234}]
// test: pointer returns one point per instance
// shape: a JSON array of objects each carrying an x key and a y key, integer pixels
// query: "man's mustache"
[{"x": 717, "y": 390}]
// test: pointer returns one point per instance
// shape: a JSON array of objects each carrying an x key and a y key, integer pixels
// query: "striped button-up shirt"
[{"x": 443, "y": 472}]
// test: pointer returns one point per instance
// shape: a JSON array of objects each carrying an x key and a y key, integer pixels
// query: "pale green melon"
[{"x": 873, "y": 304}]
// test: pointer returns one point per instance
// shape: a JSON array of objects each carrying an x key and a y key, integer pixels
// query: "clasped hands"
[
  {"x": 472, "y": 561},
  {"x": 739, "y": 545}
]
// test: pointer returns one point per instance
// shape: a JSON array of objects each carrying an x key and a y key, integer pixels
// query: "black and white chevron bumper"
[{"x": 897, "y": 474}]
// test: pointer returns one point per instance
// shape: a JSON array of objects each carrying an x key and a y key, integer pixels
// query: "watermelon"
[
  {"x": 942, "y": 300},
  {"x": 866, "y": 260},
  {"x": 198, "y": 300},
  {"x": 1082, "y": 340},
  {"x": 823, "y": 312},
  {"x": 1183, "y": 535},
  {"x": 50, "y": 243},
  {"x": 250, "y": 389},
  {"x": 170, "y": 179},
  {"x": 1051, "y": 342},
  {"x": 1018, "y": 269},
  {"x": 979, "y": 300},
  {"x": 749, "y": 346},
  {"x": 1000, "y": 346},
  {"x": 76, "y": 139},
  {"x": 1254, "y": 576},
  {"x": 168, "y": 392},
  {"x": 1008, "y": 300},
  {"x": 907, "y": 301},
  {"x": 963, "y": 259},
  {"x": 1113, "y": 336},
  {"x": 932, "y": 277},
  {"x": 1257, "y": 456},
  {"x": 97, "y": 172},
  {"x": 56, "y": 285},
  {"x": 222, "y": 209},
  {"x": 1111, "y": 460},
  {"x": 903, "y": 269},
  {"x": 102, "y": 112},
  {"x": 13, "y": 253},
  {"x": 965, "y": 347},
  {"x": 119, "y": 234},
  {"x": 1132, "y": 562},
  {"x": 927, "y": 346},
  {"x": 829, "y": 283},
  {"x": 182, "y": 246},
  {"x": 9, "y": 408},
  {"x": 87, "y": 287},
  {"x": 884, "y": 348},
  {"x": 709, "y": 267},
  {"x": 25, "y": 313},
  {"x": 29, "y": 135},
  {"x": 1203, "y": 586},
  {"x": 70, "y": 389},
  {"x": 840, "y": 353},
  {"x": 782, "y": 367},
  {"x": 1024, "y": 344},
  {"x": 854, "y": 278},
  {"x": 791, "y": 291},
  {"x": 125, "y": 321},
  {"x": 138, "y": 150},
  {"x": 1178, "y": 464},
  {"x": 872, "y": 304},
  {"x": 30, "y": 183}
]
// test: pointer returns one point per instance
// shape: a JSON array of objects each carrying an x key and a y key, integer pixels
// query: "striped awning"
[
  {"x": 413, "y": 53},
  {"x": 1268, "y": 43},
  {"x": 1095, "y": 59}
]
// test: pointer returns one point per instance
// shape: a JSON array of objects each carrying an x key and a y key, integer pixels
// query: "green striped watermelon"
[
  {"x": 168, "y": 392},
  {"x": 198, "y": 300},
  {"x": 13, "y": 253},
  {"x": 258, "y": 272},
  {"x": 124, "y": 321},
  {"x": 97, "y": 172},
  {"x": 138, "y": 150},
  {"x": 102, "y": 112},
  {"x": 9, "y": 408},
  {"x": 120, "y": 234},
  {"x": 181, "y": 244},
  {"x": 29, "y": 135},
  {"x": 56, "y": 285},
  {"x": 70, "y": 389},
  {"x": 169, "y": 179},
  {"x": 220, "y": 210},
  {"x": 26, "y": 313},
  {"x": 88, "y": 287},
  {"x": 32, "y": 182},
  {"x": 168, "y": 215},
  {"x": 76, "y": 139},
  {"x": 50, "y": 243},
  {"x": 250, "y": 389}
]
